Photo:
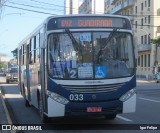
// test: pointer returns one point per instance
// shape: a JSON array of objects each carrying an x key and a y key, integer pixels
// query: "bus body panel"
[
  {"x": 55, "y": 109},
  {"x": 129, "y": 106},
  {"x": 34, "y": 70},
  {"x": 24, "y": 80}
]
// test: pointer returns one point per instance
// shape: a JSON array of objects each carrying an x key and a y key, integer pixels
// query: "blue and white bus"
[{"x": 79, "y": 65}]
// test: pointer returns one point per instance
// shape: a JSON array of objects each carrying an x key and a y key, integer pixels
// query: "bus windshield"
[
  {"x": 13, "y": 70},
  {"x": 90, "y": 55}
]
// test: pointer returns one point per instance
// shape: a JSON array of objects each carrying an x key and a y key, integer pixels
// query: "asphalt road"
[{"x": 147, "y": 112}]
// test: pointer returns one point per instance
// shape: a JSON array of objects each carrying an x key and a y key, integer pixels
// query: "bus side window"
[
  {"x": 37, "y": 48},
  {"x": 31, "y": 53},
  {"x": 25, "y": 54},
  {"x": 34, "y": 51},
  {"x": 22, "y": 54}
]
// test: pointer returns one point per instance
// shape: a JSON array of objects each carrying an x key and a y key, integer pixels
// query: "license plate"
[{"x": 94, "y": 109}]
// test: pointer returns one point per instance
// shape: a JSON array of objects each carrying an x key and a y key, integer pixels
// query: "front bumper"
[{"x": 56, "y": 109}]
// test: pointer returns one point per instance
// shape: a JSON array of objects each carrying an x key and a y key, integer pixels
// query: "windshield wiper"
[
  {"x": 106, "y": 43},
  {"x": 74, "y": 42},
  {"x": 109, "y": 37}
]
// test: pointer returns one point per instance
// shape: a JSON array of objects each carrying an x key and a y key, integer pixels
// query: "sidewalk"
[
  {"x": 145, "y": 81},
  {"x": 4, "y": 115}
]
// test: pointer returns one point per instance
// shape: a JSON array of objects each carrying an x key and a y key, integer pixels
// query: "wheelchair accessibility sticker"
[{"x": 100, "y": 72}]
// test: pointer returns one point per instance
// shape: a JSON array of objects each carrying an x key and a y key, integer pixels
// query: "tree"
[
  {"x": 157, "y": 43},
  {"x": 2, "y": 65}
]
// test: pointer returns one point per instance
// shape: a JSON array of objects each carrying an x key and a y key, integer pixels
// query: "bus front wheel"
[
  {"x": 7, "y": 81},
  {"x": 26, "y": 102}
]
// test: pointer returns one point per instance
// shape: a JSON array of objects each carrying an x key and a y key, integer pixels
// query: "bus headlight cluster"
[
  {"x": 57, "y": 97},
  {"x": 127, "y": 95}
]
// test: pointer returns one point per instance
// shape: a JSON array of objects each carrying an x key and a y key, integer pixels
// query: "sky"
[{"x": 16, "y": 24}]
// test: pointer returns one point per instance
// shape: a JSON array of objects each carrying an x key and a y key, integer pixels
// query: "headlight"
[
  {"x": 127, "y": 95},
  {"x": 8, "y": 75},
  {"x": 57, "y": 97}
]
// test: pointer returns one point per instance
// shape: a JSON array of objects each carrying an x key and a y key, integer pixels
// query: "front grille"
[{"x": 93, "y": 89}]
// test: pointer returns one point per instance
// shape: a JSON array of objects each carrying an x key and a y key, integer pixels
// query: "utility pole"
[{"x": 94, "y": 6}]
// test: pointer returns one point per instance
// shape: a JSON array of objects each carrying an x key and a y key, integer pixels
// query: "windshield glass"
[
  {"x": 13, "y": 70},
  {"x": 90, "y": 55}
]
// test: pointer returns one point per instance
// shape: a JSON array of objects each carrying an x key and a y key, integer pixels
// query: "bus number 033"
[{"x": 76, "y": 97}]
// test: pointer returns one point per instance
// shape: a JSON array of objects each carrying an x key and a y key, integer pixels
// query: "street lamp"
[{"x": 144, "y": 31}]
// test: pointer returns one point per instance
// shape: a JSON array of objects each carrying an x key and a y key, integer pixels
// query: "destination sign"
[{"x": 87, "y": 22}]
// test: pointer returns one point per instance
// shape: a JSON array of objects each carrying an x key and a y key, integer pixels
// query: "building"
[
  {"x": 71, "y": 6},
  {"x": 92, "y": 7},
  {"x": 4, "y": 59},
  {"x": 145, "y": 17},
  {"x": 108, "y": 7},
  {"x": 123, "y": 7}
]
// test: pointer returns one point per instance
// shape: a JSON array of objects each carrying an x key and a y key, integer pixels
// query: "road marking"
[
  {"x": 149, "y": 100},
  {"x": 123, "y": 118}
]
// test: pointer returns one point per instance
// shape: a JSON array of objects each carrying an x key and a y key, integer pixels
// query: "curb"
[
  {"x": 145, "y": 81},
  {"x": 5, "y": 107},
  {"x": 8, "y": 117}
]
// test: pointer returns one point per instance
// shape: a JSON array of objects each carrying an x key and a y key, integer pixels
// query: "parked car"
[
  {"x": 2, "y": 72},
  {"x": 12, "y": 75}
]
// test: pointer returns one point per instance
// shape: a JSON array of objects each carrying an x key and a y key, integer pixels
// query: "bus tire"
[
  {"x": 110, "y": 117},
  {"x": 43, "y": 117},
  {"x": 26, "y": 102},
  {"x": 7, "y": 81},
  {"x": 20, "y": 90}
]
